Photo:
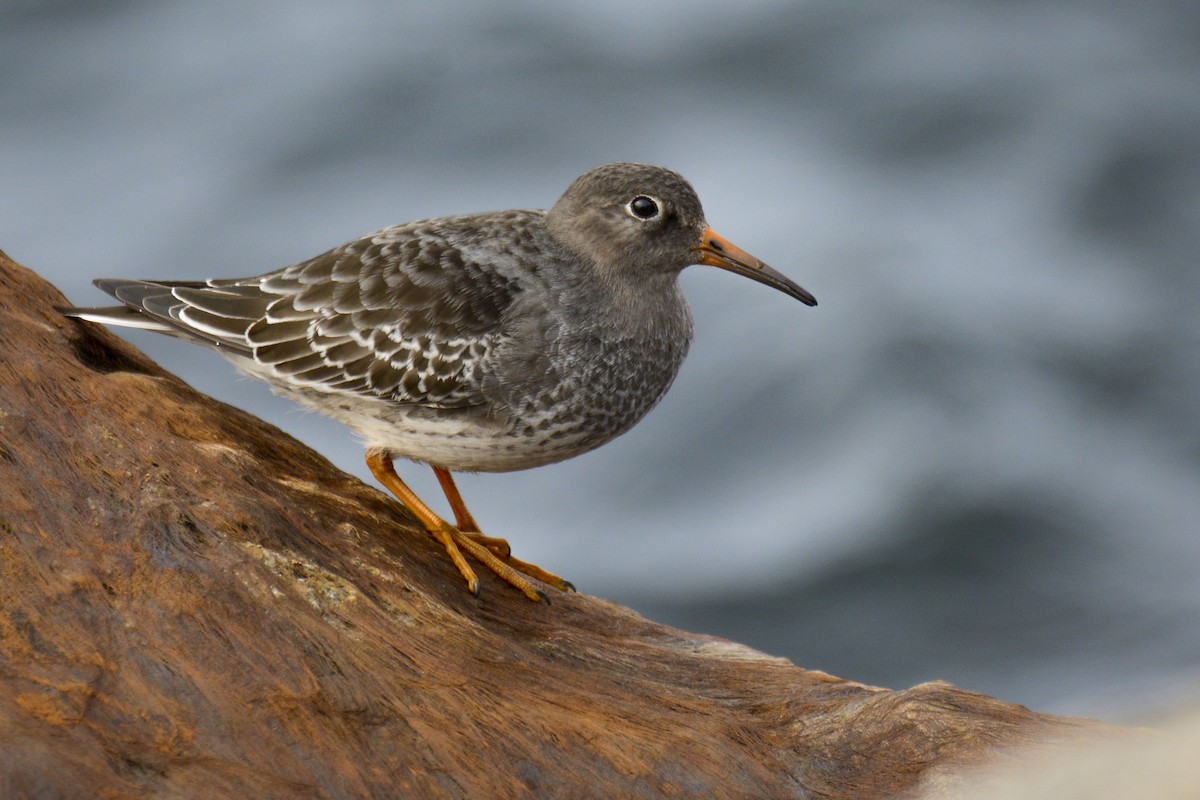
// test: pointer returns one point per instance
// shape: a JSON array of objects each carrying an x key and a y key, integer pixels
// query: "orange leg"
[
  {"x": 463, "y": 519},
  {"x": 455, "y": 542},
  {"x": 499, "y": 547}
]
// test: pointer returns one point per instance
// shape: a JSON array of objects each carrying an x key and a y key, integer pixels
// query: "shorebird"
[{"x": 487, "y": 342}]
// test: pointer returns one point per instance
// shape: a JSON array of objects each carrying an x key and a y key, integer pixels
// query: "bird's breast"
[{"x": 586, "y": 384}]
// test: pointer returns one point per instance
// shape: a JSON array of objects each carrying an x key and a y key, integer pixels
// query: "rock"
[{"x": 193, "y": 604}]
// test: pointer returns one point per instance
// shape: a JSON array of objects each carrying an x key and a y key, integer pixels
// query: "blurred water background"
[{"x": 977, "y": 460}]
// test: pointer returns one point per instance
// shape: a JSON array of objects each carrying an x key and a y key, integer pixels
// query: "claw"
[{"x": 492, "y": 552}]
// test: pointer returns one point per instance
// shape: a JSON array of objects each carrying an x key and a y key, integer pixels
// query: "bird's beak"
[{"x": 717, "y": 251}]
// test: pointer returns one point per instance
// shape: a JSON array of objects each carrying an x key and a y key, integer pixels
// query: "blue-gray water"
[{"x": 978, "y": 459}]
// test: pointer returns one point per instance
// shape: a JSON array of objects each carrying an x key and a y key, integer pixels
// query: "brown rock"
[{"x": 193, "y": 604}]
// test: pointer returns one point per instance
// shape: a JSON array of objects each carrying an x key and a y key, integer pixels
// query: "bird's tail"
[
  {"x": 157, "y": 306},
  {"x": 121, "y": 316}
]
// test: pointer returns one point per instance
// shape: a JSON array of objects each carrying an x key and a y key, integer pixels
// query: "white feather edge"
[{"x": 122, "y": 321}]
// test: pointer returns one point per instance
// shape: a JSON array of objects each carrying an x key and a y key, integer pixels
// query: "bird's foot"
[
  {"x": 500, "y": 547},
  {"x": 495, "y": 554},
  {"x": 503, "y": 552}
]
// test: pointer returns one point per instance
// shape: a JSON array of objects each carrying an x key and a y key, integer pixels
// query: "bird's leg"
[
  {"x": 455, "y": 542},
  {"x": 463, "y": 519},
  {"x": 499, "y": 547}
]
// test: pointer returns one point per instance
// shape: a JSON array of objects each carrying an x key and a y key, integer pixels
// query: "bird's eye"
[{"x": 643, "y": 207}]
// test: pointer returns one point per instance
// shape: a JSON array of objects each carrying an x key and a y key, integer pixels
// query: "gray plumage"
[{"x": 488, "y": 342}]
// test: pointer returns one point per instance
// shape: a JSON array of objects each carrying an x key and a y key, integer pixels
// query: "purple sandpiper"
[{"x": 488, "y": 342}]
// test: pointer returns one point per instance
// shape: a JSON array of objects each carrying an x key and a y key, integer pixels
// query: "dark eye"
[{"x": 643, "y": 207}]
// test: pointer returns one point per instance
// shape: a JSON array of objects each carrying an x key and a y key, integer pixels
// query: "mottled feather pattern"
[
  {"x": 401, "y": 314},
  {"x": 491, "y": 341}
]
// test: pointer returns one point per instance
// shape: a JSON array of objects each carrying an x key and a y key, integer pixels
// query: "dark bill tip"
[{"x": 715, "y": 250}]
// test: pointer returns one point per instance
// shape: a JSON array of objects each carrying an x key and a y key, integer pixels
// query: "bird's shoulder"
[
  {"x": 411, "y": 312},
  {"x": 448, "y": 273}
]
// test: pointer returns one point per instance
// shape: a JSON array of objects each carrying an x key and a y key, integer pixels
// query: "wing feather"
[{"x": 410, "y": 314}]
